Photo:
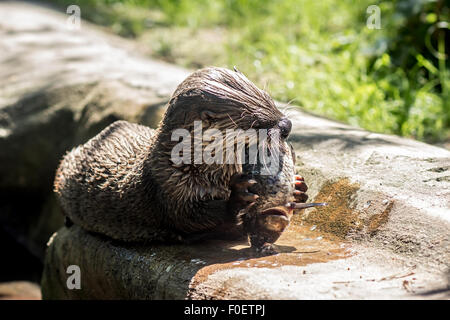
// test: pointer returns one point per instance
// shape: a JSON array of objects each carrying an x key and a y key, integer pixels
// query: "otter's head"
[{"x": 223, "y": 99}]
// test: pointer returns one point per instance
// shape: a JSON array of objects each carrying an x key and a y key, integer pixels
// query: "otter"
[{"x": 123, "y": 183}]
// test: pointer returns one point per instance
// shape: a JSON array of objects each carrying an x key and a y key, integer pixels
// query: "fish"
[{"x": 270, "y": 215}]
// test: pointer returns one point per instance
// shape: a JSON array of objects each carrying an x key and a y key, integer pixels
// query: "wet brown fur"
[{"x": 122, "y": 183}]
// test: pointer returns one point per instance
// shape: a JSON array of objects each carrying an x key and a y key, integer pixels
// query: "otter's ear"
[{"x": 209, "y": 115}]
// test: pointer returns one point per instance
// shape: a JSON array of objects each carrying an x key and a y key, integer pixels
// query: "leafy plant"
[{"x": 318, "y": 54}]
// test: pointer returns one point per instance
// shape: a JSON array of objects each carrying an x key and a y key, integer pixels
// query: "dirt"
[{"x": 339, "y": 217}]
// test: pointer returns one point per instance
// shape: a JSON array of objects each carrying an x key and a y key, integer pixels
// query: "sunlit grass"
[{"x": 318, "y": 54}]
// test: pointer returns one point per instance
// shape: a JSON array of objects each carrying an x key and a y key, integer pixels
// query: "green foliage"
[{"x": 320, "y": 54}]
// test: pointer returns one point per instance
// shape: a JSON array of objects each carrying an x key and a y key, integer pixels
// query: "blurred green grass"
[{"x": 319, "y": 55}]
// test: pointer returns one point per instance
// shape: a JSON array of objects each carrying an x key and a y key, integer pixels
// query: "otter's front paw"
[
  {"x": 300, "y": 189},
  {"x": 240, "y": 197}
]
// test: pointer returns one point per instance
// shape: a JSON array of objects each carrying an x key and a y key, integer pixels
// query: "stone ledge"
[
  {"x": 306, "y": 268},
  {"x": 397, "y": 189}
]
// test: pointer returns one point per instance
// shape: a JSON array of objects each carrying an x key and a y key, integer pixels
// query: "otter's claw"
[
  {"x": 240, "y": 197},
  {"x": 241, "y": 182},
  {"x": 300, "y": 189},
  {"x": 246, "y": 197}
]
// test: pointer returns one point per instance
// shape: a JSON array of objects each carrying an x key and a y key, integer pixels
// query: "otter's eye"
[{"x": 285, "y": 126}]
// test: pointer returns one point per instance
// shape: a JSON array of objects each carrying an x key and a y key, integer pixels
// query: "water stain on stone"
[
  {"x": 301, "y": 244},
  {"x": 298, "y": 246}
]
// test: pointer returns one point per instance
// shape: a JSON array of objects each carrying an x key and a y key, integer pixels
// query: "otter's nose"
[{"x": 285, "y": 126}]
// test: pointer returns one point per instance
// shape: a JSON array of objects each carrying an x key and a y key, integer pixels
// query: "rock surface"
[
  {"x": 385, "y": 233},
  {"x": 393, "y": 192},
  {"x": 19, "y": 290},
  {"x": 308, "y": 267},
  {"x": 58, "y": 88}
]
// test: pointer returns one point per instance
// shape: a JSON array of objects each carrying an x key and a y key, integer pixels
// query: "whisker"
[
  {"x": 266, "y": 84},
  {"x": 264, "y": 155},
  {"x": 288, "y": 105},
  {"x": 232, "y": 120}
]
